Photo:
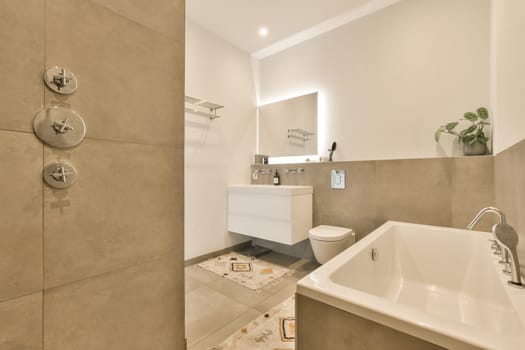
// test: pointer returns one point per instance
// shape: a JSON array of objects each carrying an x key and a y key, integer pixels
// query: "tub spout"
[
  {"x": 482, "y": 212},
  {"x": 495, "y": 245}
]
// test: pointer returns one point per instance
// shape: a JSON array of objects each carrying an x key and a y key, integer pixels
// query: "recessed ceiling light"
[{"x": 263, "y": 31}]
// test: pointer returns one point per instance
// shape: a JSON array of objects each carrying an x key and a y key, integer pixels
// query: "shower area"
[{"x": 92, "y": 174}]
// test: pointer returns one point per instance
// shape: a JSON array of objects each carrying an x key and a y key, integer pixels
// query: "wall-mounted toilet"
[{"x": 328, "y": 241}]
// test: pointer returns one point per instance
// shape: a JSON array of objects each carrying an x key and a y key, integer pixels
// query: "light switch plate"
[{"x": 338, "y": 179}]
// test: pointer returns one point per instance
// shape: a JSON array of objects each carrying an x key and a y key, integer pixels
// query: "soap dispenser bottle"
[{"x": 276, "y": 178}]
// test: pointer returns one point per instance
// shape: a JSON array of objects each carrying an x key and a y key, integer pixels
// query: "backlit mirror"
[{"x": 289, "y": 127}]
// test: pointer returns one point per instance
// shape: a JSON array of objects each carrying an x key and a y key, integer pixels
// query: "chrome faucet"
[
  {"x": 482, "y": 212},
  {"x": 495, "y": 245},
  {"x": 508, "y": 238}
]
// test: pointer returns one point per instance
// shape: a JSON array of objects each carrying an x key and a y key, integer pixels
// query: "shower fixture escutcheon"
[
  {"x": 59, "y": 175},
  {"x": 61, "y": 80},
  {"x": 59, "y": 127}
]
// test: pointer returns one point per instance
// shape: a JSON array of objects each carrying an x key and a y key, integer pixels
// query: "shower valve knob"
[
  {"x": 60, "y": 80},
  {"x": 60, "y": 175},
  {"x": 62, "y": 126}
]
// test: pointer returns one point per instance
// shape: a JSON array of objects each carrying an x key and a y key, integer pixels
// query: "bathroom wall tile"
[
  {"x": 21, "y": 323},
  {"x": 473, "y": 189},
  {"x": 21, "y": 62},
  {"x": 438, "y": 191},
  {"x": 129, "y": 90},
  {"x": 320, "y": 326},
  {"x": 157, "y": 15},
  {"x": 473, "y": 172},
  {"x": 125, "y": 207},
  {"x": 467, "y": 203},
  {"x": 21, "y": 215},
  {"x": 134, "y": 309},
  {"x": 353, "y": 207},
  {"x": 414, "y": 174},
  {"x": 509, "y": 175},
  {"x": 415, "y": 190}
]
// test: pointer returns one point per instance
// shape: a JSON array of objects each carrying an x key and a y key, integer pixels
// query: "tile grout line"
[
  {"x": 136, "y": 22},
  {"x": 20, "y": 296},
  {"x": 143, "y": 261},
  {"x": 44, "y": 37},
  {"x": 225, "y": 326}
]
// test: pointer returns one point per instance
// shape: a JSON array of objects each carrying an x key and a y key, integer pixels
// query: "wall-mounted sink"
[{"x": 276, "y": 213}]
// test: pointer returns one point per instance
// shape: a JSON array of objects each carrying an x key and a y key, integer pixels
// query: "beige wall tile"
[
  {"x": 157, "y": 15},
  {"x": 320, "y": 326},
  {"x": 437, "y": 191},
  {"x": 509, "y": 179},
  {"x": 414, "y": 190},
  {"x": 21, "y": 323},
  {"x": 130, "y": 77},
  {"x": 139, "y": 308},
  {"x": 125, "y": 206},
  {"x": 21, "y": 62},
  {"x": 21, "y": 215}
]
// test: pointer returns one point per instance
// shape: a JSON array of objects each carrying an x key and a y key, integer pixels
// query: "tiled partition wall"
[
  {"x": 99, "y": 265},
  {"x": 509, "y": 189},
  {"x": 436, "y": 191}
]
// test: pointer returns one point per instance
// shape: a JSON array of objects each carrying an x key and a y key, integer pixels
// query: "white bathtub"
[{"x": 440, "y": 284}]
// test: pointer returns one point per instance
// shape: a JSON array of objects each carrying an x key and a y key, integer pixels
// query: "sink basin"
[{"x": 280, "y": 214}]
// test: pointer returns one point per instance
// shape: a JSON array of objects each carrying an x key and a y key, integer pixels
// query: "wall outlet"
[{"x": 338, "y": 179}]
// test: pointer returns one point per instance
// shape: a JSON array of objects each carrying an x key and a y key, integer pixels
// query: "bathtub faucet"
[
  {"x": 482, "y": 212},
  {"x": 495, "y": 245},
  {"x": 508, "y": 238}
]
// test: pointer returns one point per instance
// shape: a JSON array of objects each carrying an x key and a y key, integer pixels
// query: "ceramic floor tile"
[
  {"x": 191, "y": 283},
  {"x": 201, "y": 275},
  {"x": 284, "y": 293},
  {"x": 229, "y": 329},
  {"x": 207, "y": 311}
]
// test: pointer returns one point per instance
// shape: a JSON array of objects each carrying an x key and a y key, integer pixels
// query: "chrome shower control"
[
  {"x": 60, "y": 175},
  {"x": 59, "y": 127},
  {"x": 61, "y": 80},
  {"x": 62, "y": 126}
]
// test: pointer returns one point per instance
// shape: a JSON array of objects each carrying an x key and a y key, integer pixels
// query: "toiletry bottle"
[{"x": 276, "y": 179}]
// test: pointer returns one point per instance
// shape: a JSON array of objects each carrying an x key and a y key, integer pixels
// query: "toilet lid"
[{"x": 330, "y": 233}]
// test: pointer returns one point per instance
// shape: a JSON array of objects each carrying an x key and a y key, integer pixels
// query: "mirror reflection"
[{"x": 289, "y": 127}]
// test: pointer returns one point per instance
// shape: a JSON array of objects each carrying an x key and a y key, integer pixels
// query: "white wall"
[
  {"x": 508, "y": 52},
  {"x": 218, "y": 152},
  {"x": 387, "y": 81}
]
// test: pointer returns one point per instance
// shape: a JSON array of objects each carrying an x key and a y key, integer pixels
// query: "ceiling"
[{"x": 238, "y": 21}]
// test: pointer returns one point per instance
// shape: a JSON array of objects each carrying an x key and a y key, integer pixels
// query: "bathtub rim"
[{"x": 319, "y": 286}]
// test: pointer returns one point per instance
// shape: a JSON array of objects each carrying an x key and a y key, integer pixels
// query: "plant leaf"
[
  {"x": 482, "y": 138},
  {"x": 468, "y": 139},
  {"x": 437, "y": 135},
  {"x": 451, "y": 126},
  {"x": 468, "y": 130},
  {"x": 470, "y": 116},
  {"x": 483, "y": 113}
]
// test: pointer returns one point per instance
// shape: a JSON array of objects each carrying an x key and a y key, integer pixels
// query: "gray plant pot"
[{"x": 475, "y": 149}]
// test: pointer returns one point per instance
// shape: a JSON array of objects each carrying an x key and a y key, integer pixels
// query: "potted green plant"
[{"x": 473, "y": 137}]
